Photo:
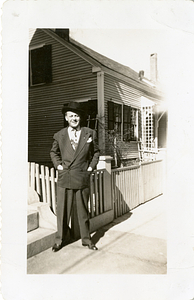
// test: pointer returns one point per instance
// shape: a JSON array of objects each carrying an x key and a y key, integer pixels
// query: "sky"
[{"x": 130, "y": 47}]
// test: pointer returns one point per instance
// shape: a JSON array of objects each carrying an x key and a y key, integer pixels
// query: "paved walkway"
[{"x": 133, "y": 244}]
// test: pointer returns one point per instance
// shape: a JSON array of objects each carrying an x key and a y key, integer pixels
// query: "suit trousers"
[{"x": 65, "y": 198}]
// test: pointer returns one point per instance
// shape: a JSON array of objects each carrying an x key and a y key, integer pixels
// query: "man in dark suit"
[{"x": 74, "y": 154}]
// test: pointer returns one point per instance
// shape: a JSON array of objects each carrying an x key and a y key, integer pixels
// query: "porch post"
[
  {"x": 105, "y": 163},
  {"x": 101, "y": 116}
]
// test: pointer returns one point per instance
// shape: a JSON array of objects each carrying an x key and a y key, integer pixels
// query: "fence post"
[{"x": 105, "y": 163}]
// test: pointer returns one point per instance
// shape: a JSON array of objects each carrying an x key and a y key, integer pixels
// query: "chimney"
[
  {"x": 153, "y": 67},
  {"x": 63, "y": 33},
  {"x": 141, "y": 74}
]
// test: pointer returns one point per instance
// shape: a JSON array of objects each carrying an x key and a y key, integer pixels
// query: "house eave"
[
  {"x": 97, "y": 66},
  {"x": 72, "y": 48}
]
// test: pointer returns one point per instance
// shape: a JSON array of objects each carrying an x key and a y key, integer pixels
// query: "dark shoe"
[
  {"x": 56, "y": 247},
  {"x": 91, "y": 247}
]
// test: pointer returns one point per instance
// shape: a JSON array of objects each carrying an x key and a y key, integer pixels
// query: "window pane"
[{"x": 37, "y": 65}]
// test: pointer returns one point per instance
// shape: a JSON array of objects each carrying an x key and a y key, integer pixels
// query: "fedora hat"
[{"x": 74, "y": 107}]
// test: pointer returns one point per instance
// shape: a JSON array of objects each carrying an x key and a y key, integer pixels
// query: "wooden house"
[{"x": 123, "y": 106}]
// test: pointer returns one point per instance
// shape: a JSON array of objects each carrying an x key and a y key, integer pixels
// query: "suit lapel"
[{"x": 66, "y": 141}]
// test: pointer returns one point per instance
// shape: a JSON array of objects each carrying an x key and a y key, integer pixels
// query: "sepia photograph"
[
  {"x": 97, "y": 138},
  {"x": 97, "y": 150}
]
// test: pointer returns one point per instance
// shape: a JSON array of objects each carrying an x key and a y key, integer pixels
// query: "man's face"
[{"x": 73, "y": 119}]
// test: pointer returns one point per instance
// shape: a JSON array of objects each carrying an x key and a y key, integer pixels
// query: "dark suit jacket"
[{"x": 75, "y": 162}]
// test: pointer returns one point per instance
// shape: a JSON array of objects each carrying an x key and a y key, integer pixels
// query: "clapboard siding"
[
  {"x": 121, "y": 92},
  {"x": 72, "y": 79}
]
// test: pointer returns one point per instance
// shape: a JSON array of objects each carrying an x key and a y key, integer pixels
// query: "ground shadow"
[
  {"x": 101, "y": 231},
  {"x": 119, "y": 217}
]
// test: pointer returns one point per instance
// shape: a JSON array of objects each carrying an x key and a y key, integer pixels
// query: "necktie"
[{"x": 74, "y": 140}]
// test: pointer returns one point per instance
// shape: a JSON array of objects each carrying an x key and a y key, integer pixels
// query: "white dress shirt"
[{"x": 74, "y": 136}]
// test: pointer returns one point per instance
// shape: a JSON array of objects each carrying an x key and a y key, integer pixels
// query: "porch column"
[
  {"x": 105, "y": 163},
  {"x": 101, "y": 114}
]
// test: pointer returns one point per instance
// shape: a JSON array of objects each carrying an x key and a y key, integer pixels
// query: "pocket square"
[{"x": 89, "y": 140}]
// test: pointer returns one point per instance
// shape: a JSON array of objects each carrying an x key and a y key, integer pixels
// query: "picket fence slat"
[
  {"x": 48, "y": 193},
  {"x": 91, "y": 196},
  {"x": 38, "y": 179},
  {"x": 101, "y": 192},
  {"x": 96, "y": 194},
  {"x": 53, "y": 194},
  {"x": 32, "y": 175},
  {"x": 43, "y": 184}
]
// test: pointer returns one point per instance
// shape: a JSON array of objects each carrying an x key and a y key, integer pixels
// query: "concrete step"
[
  {"x": 40, "y": 240},
  {"x": 46, "y": 218},
  {"x": 32, "y": 220},
  {"x": 42, "y": 228}
]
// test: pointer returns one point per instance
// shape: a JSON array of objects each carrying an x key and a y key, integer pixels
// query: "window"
[
  {"x": 123, "y": 120},
  {"x": 114, "y": 117},
  {"x": 90, "y": 107},
  {"x": 40, "y": 65}
]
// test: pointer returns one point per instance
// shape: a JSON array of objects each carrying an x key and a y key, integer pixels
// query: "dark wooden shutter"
[
  {"x": 41, "y": 65},
  {"x": 29, "y": 69},
  {"x": 139, "y": 124},
  {"x": 126, "y": 122},
  {"x": 37, "y": 65},
  {"x": 48, "y": 63},
  {"x": 110, "y": 115}
]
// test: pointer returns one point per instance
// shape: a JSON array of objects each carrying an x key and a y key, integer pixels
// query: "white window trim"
[
  {"x": 83, "y": 99},
  {"x": 37, "y": 46}
]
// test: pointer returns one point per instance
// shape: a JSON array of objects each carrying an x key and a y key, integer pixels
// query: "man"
[{"x": 74, "y": 154}]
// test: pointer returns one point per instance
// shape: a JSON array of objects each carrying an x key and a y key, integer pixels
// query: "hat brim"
[{"x": 77, "y": 111}]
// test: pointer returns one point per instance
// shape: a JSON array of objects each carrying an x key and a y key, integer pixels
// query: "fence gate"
[{"x": 100, "y": 203}]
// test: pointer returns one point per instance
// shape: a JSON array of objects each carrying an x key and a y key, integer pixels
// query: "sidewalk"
[{"x": 133, "y": 244}]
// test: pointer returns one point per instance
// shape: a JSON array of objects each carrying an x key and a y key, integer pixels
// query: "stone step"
[
  {"x": 40, "y": 240},
  {"x": 32, "y": 220}
]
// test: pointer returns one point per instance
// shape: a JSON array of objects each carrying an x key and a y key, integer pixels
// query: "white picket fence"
[
  {"x": 134, "y": 185},
  {"x": 129, "y": 186},
  {"x": 44, "y": 181}
]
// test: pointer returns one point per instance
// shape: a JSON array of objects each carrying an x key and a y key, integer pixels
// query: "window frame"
[{"x": 123, "y": 122}]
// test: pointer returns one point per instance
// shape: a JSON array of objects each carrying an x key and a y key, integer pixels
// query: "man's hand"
[
  {"x": 89, "y": 169},
  {"x": 59, "y": 167}
]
